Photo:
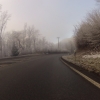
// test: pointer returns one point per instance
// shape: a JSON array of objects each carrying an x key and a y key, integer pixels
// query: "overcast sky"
[{"x": 53, "y": 18}]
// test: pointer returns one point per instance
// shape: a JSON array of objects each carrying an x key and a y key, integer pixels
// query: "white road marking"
[{"x": 84, "y": 76}]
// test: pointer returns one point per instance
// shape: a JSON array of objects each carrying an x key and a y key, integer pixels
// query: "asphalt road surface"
[{"x": 44, "y": 78}]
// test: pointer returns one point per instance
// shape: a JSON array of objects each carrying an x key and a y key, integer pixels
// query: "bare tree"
[{"x": 4, "y": 17}]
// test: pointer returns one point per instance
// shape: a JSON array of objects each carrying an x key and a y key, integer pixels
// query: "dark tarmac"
[{"x": 44, "y": 77}]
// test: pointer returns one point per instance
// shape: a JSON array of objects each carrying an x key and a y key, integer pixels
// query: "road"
[{"x": 44, "y": 78}]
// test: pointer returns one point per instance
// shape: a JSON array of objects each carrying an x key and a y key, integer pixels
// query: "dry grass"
[{"x": 90, "y": 64}]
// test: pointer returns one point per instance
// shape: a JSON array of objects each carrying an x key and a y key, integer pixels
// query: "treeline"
[
  {"x": 87, "y": 34},
  {"x": 26, "y": 41}
]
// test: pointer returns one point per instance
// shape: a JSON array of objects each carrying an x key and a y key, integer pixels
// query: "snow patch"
[{"x": 92, "y": 56}]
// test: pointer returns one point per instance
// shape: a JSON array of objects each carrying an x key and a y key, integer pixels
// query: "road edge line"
[{"x": 81, "y": 74}]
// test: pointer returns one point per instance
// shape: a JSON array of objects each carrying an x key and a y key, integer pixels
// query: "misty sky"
[{"x": 53, "y": 18}]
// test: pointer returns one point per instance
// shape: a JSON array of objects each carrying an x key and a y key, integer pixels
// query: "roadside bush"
[
  {"x": 87, "y": 34},
  {"x": 15, "y": 51}
]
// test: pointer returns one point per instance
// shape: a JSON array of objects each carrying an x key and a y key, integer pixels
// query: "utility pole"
[{"x": 58, "y": 43}]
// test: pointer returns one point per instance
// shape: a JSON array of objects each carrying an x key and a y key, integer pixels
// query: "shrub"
[
  {"x": 87, "y": 34},
  {"x": 15, "y": 51}
]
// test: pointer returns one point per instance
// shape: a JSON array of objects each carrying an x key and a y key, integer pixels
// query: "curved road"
[{"x": 44, "y": 78}]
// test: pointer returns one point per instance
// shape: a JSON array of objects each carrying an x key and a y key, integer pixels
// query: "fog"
[
  {"x": 53, "y": 18},
  {"x": 32, "y": 26}
]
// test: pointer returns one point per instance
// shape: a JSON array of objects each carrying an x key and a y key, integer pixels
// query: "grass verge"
[{"x": 90, "y": 64}]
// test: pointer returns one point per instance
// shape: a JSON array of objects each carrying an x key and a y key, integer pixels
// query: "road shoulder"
[{"x": 91, "y": 77}]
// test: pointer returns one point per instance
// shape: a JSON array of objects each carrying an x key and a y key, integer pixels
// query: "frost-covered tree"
[
  {"x": 15, "y": 51},
  {"x": 87, "y": 34},
  {"x": 4, "y": 17}
]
